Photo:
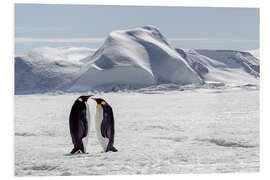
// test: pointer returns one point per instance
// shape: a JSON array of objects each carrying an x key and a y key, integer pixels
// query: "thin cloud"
[
  {"x": 188, "y": 39},
  {"x": 57, "y": 40},
  {"x": 100, "y": 40},
  {"x": 211, "y": 39}
]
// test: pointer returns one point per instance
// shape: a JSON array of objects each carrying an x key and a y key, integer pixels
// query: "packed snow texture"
[
  {"x": 135, "y": 57},
  {"x": 226, "y": 66},
  {"x": 255, "y": 53},
  {"x": 48, "y": 69},
  {"x": 196, "y": 130},
  {"x": 130, "y": 59},
  {"x": 176, "y": 110}
]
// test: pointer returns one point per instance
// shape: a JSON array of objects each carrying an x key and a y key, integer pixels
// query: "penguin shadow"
[
  {"x": 87, "y": 154},
  {"x": 77, "y": 154}
]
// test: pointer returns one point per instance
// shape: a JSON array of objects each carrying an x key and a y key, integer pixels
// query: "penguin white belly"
[
  {"x": 85, "y": 139},
  {"x": 99, "y": 117}
]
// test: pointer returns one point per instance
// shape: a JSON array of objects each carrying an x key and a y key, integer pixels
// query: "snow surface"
[
  {"x": 130, "y": 59},
  {"x": 67, "y": 53},
  {"x": 48, "y": 69},
  {"x": 226, "y": 66},
  {"x": 136, "y": 57},
  {"x": 255, "y": 53},
  {"x": 176, "y": 110},
  {"x": 193, "y": 130}
]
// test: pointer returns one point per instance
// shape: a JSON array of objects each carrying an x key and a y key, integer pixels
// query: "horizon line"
[{"x": 21, "y": 40}]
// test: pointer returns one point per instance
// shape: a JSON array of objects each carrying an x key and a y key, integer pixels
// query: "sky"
[{"x": 39, "y": 25}]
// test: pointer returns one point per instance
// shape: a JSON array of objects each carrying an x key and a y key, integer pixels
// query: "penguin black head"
[
  {"x": 84, "y": 98},
  {"x": 100, "y": 101}
]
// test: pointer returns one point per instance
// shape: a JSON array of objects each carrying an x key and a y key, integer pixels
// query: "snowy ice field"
[
  {"x": 192, "y": 131},
  {"x": 176, "y": 110}
]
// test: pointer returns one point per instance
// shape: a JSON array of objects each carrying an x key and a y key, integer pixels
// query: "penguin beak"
[
  {"x": 95, "y": 99},
  {"x": 89, "y": 96}
]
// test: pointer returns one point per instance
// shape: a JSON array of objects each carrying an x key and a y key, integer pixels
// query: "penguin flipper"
[
  {"x": 104, "y": 130},
  {"x": 84, "y": 124},
  {"x": 105, "y": 125}
]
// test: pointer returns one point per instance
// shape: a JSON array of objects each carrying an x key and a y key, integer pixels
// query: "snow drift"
[{"x": 134, "y": 58}]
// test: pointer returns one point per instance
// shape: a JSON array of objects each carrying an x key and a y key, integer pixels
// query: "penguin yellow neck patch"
[
  {"x": 81, "y": 100},
  {"x": 102, "y": 102}
]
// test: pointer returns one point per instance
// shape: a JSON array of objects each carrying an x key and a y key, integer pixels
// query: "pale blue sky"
[{"x": 88, "y": 25}]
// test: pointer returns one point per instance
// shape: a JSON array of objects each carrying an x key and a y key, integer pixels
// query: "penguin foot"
[
  {"x": 113, "y": 149},
  {"x": 74, "y": 151},
  {"x": 78, "y": 152}
]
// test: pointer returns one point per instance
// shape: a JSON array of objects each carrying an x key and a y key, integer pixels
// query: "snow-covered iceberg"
[
  {"x": 133, "y": 58},
  {"x": 48, "y": 69},
  {"x": 226, "y": 66},
  {"x": 255, "y": 53}
]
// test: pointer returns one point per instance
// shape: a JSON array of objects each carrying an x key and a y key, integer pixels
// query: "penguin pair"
[{"x": 79, "y": 124}]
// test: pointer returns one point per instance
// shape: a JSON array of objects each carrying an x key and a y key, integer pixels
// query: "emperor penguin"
[
  {"x": 79, "y": 124},
  {"x": 105, "y": 125}
]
